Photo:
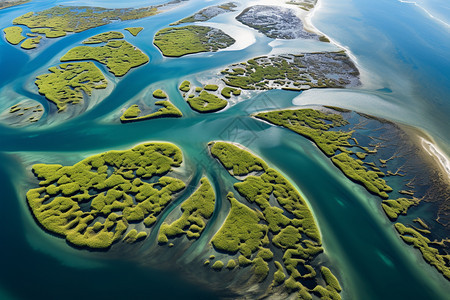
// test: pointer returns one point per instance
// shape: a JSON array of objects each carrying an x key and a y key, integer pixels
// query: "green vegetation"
[
  {"x": 91, "y": 203},
  {"x": 185, "y": 86},
  {"x": 241, "y": 230},
  {"x": 208, "y": 13},
  {"x": 236, "y": 160},
  {"x": 206, "y": 103},
  {"x": 14, "y": 35},
  {"x": 31, "y": 43},
  {"x": 226, "y": 92},
  {"x": 179, "y": 41},
  {"x": 168, "y": 110},
  {"x": 430, "y": 254},
  {"x": 250, "y": 231},
  {"x": 279, "y": 276},
  {"x": 49, "y": 33},
  {"x": 133, "y": 236},
  {"x": 197, "y": 209},
  {"x": 295, "y": 72},
  {"x": 80, "y": 18},
  {"x": 393, "y": 208},
  {"x": 231, "y": 264},
  {"x": 314, "y": 125},
  {"x": 104, "y": 37},
  {"x": 354, "y": 169},
  {"x": 118, "y": 55},
  {"x": 218, "y": 265},
  {"x": 332, "y": 289},
  {"x": 211, "y": 87},
  {"x": 67, "y": 82},
  {"x": 134, "y": 30},
  {"x": 160, "y": 94}
]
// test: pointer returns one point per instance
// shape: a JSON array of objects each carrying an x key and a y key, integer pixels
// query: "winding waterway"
[{"x": 403, "y": 55}]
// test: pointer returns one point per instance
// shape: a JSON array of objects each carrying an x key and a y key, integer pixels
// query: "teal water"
[{"x": 361, "y": 244}]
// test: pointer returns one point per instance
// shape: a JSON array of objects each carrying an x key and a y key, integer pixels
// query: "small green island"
[
  {"x": 24, "y": 113},
  {"x": 197, "y": 210},
  {"x": 10, "y": 3},
  {"x": 166, "y": 110},
  {"x": 13, "y": 34},
  {"x": 66, "y": 83},
  {"x": 118, "y": 55},
  {"x": 179, "y": 41},
  {"x": 93, "y": 208},
  {"x": 252, "y": 236},
  {"x": 134, "y": 30}
]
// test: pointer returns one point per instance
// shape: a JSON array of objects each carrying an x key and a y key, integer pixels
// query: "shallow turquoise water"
[{"x": 371, "y": 261}]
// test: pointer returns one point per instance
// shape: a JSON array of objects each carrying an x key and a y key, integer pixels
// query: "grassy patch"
[
  {"x": 185, "y": 86},
  {"x": 56, "y": 204},
  {"x": 66, "y": 83},
  {"x": 206, "y": 103},
  {"x": 393, "y": 208},
  {"x": 179, "y": 41},
  {"x": 430, "y": 254},
  {"x": 211, "y": 87},
  {"x": 227, "y": 91},
  {"x": 297, "y": 236},
  {"x": 167, "y": 110},
  {"x": 31, "y": 43},
  {"x": 241, "y": 230},
  {"x": 355, "y": 170},
  {"x": 197, "y": 209},
  {"x": 295, "y": 72},
  {"x": 118, "y": 55},
  {"x": 134, "y": 30},
  {"x": 104, "y": 37},
  {"x": 14, "y": 35},
  {"x": 160, "y": 94}
]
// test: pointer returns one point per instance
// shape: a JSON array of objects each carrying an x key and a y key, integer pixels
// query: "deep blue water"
[{"x": 392, "y": 41}]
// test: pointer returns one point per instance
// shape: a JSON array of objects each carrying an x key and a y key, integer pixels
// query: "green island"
[
  {"x": 430, "y": 254},
  {"x": 179, "y": 41},
  {"x": 288, "y": 228},
  {"x": 316, "y": 126},
  {"x": 206, "y": 102},
  {"x": 167, "y": 109},
  {"x": 134, "y": 30},
  {"x": 104, "y": 37},
  {"x": 31, "y": 43},
  {"x": 160, "y": 94},
  {"x": 197, "y": 210},
  {"x": 293, "y": 72},
  {"x": 339, "y": 146},
  {"x": 14, "y": 35},
  {"x": 66, "y": 83},
  {"x": 92, "y": 203},
  {"x": 133, "y": 113},
  {"x": 208, "y": 13},
  {"x": 185, "y": 86},
  {"x": 118, "y": 55},
  {"x": 57, "y": 21}
]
